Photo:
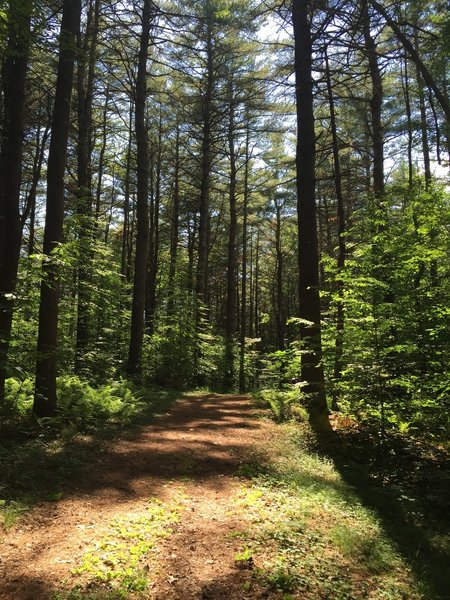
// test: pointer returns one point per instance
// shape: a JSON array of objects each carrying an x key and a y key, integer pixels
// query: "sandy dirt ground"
[{"x": 198, "y": 448}]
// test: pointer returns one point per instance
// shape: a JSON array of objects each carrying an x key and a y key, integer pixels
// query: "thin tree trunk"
[
  {"x": 126, "y": 235},
  {"x": 405, "y": 85},
  {"x": 153, "y": 252},
  {"x": 101, "y": 158},
  {"x": 174, "y": 227},
  {"x": 202, "y": 266},
  {"x": 45, "y": 401},
  {"x": 279, "y": 274},
  {"x": 30, "y": 204},
  {"x": 340, "y": 312},
  {"x": 423, "y": 121},
  {"x": 230, "y": 315},
  {"x": 243, "y": 324}
]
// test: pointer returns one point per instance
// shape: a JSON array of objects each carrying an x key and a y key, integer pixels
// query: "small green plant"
[
  {"x": 280, "y": 403},
  {"x": 11, "y": 511},
  {"x": 281, "y": 580},
  {"x": 117, "y": 560},
  {"x": 244, "y": 558}
]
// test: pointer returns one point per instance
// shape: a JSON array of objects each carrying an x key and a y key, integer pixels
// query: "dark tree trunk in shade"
[
  {"x": 308, "y": 254},
  {"x": 45, "y": 402},
  {"x": 101, "y": 158},
  {"x": 340, "y": 313},
  {"x": 205, "y": 183},
  {"x": 376, "y": 104},
  {"x": 87, "y": 46},
  {"x": 127, "y": 226},
  {"x": 30, "y": 204},
  {"x": 153, "y": 251},
  {"x": 407, "y": 96},
  {"x": 14, "y": 75},
  {"x": 142, "y": 217}
]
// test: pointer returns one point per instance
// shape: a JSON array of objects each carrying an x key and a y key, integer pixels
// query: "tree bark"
[
  {"x": 153, "y": 252},
  {"x": 230, "y": 315},
  {"x": 142, "y": 217},
  {"x": 376, "y": 102},
  {"x": 45, "y": 401},
  {"x": 243, "y": 324},
  {"x": 423, "y": 121},
  {"x": 85, "y": 95},
  {"x": 340, "y": 311},
  {"x": 308, "y": 255},
  {"x": 203, "y": 234},
  {"x": 14, "y": 75},
  {"x": 174, "y": 226},
  {"x": 279, "y": 274}
]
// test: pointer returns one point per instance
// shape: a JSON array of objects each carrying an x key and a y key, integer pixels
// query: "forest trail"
[{"x": 186, "y": 463}]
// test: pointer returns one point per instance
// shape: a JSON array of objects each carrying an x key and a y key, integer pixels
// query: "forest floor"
[{"x": 215, "y": 501}]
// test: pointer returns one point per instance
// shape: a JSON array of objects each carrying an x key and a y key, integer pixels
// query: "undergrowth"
[
  {"x": 284, "y": 405},
  {"x": 119, "y": 562},
  {"x": 311, "y": 536},
  {"x": 39, "y": 457}
]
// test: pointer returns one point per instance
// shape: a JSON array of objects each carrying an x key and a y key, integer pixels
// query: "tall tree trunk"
[
  {"x": 243, "y": 324},
  {"x": 142, "y": 217},
  {"x": 279, "y": 274},
  {"x": 30, "y": 204},
  {"x": 407, "y": 96},
  {"x": 87, "y": 47},
  {"x": 203, "y": 234},
  {"x": 230, "y": 316},
  {"x": 174, "y": 226},
  {"x": 153, "y": 252},
  {"x": 340, "y": 313},
  {"x": 101, "y": 158},
  {"x": 256, "y": 286},
  {"x": 423, "y": 120},
  {"x": 45, "y": 401},
  {"x": 126, "y": 235},
  {"x": 308, "y": 254},
  {"x": 14, "y": 75}
]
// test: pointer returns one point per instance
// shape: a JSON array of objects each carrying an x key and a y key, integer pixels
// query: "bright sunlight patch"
[{"x": 120, "y": 560}]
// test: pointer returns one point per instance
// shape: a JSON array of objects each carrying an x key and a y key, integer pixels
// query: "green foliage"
[
  {"x": 182, "y": 353},
  {"x": 396, "y": 297},
  {"x": 309, "y": 534},
  {"x": 39, "y": 457},
  {"x": 284, "y": 405},
  {"x": 116, "y": 560},
  {"x": 281, "y": 367}
]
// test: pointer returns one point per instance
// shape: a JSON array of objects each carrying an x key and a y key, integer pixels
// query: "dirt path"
[{"x": 192, "y": 453}]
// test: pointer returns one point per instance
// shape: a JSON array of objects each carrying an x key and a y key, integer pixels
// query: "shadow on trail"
[
  {"x": 408, "y": 488},
  {"x": 169, "y": 448},
  {"x": 31, "y": 588}
]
